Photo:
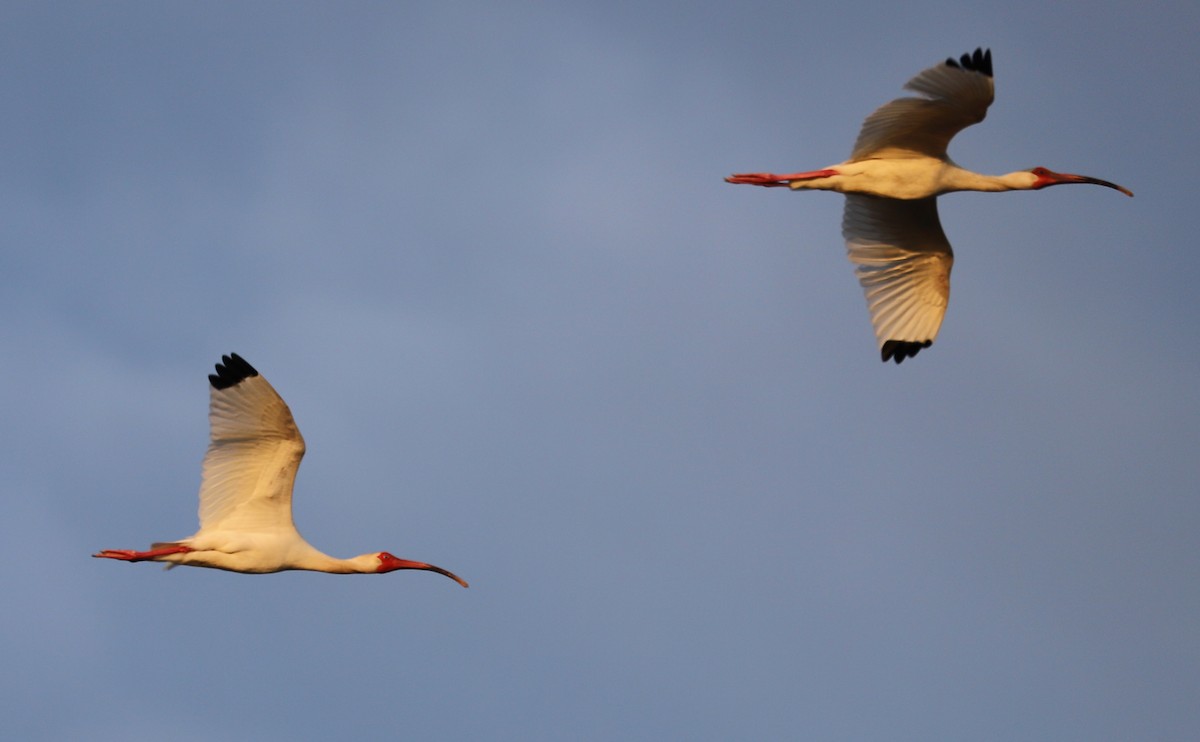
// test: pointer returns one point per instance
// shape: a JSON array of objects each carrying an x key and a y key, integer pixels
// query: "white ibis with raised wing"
[
  {"x": 892, "y": 180},
  {"x": 246, "y": 490}
]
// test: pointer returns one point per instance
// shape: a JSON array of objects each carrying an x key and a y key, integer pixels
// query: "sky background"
[{"x": 486, "y": 255}]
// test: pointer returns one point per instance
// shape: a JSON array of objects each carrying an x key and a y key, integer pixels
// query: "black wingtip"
[
  {"x": 980, "y": 61},
  {"x": 898, "y": 350},
  {"x": 231, "y": 370}
]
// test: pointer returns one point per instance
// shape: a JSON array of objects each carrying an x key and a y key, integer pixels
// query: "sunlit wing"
[
  {"x": 903, "y": 261},
  {"x": 957, "y": 94},
  {"x": 253, "y": 453}
]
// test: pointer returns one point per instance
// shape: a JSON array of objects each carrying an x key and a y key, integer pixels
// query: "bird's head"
[
  {"x": 1043, "y": 177},
  {"x": 388, "y": 563}
]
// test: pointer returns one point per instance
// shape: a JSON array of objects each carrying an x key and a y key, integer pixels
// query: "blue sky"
[{"x": 488, "y": 258}]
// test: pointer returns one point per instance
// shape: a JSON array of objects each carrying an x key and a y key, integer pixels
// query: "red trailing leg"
[
  {"x": 128, "y": 555},
  {"x": 771, "y": 180}
]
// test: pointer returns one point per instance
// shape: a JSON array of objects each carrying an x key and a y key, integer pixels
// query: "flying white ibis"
[
  {"x": 246, "y": 490},
  {"x": 892, "y": 180}
]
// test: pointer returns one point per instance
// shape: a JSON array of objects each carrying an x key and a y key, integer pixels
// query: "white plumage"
[
  {"x": 246, "y": 523},
  {"x": 895, "y": 173}
]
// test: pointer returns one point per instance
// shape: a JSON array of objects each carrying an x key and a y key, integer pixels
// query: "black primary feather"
[
  {"x": 898, "y": 350},
  {"x": 232, "y": 370},
  {"x": 980, "y": 61}
]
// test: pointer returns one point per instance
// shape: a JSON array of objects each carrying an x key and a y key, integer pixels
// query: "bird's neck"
[
  {"x": 317, "y": 561},
  {"x": 958, "y": 179}
]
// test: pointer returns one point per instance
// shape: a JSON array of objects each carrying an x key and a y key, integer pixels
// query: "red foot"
[
  {"x": 771, "y": 180},
  {"x": 128, "y": 555}
]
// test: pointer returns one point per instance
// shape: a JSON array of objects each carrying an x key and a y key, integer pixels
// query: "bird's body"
[
  {"x": 906, "y": 178},
  {"x": 895, "y": 173},
  {"x": 246, "y": 490}
]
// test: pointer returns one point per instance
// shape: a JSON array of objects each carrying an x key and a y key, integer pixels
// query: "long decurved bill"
[
  {"x": 447, "y": 573},
  {"x": 389, "y": 563},
  {"x": 1049, "y": 178}
]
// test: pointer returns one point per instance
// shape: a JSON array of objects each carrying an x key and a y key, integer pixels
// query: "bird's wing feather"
[
  {"x": 253, "y": 454},
  {"x": 956, "y": 96},
  {"x": 903, "y": 261}
]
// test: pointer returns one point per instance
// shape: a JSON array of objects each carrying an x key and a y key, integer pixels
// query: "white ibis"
[
  {"x": 892, "y": 180},
  {"x": 246, "y": 490}
]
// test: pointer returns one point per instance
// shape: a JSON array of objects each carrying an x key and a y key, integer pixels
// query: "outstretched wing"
[
  {"x": 903, "y": 261},
  {"x": 253, "y": 453},
  {"x": 958, "y": 94}
]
